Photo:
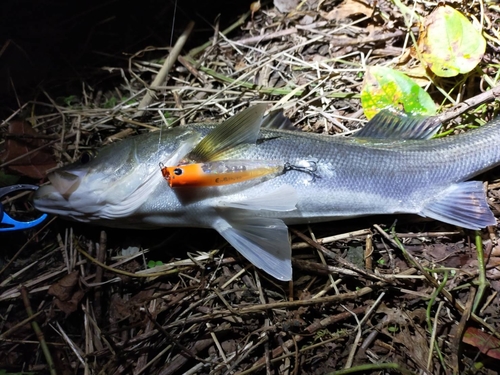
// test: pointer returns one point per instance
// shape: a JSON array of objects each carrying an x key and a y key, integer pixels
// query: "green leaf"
[
  {"x": 449, "y": 44},
  {"x": 69, "y": 100},
  {"x": 8, "y": 179},
  {"x": 385, "y": 87},
  {"x": 111, "y": 102},
  {"x": 153, "y": 264}
]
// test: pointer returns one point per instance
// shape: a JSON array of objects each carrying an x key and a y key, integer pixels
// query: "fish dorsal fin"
[
  {"x": 262, "y": 241},
  {"x": 242, "y": 128},
  {"x": 394, "y": 124},
  {"x": 463, "y": 204},
  {"x": 277, "y": 120}
]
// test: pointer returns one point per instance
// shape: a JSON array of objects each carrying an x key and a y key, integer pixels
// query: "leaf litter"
[{"x": 202, "y": 308}]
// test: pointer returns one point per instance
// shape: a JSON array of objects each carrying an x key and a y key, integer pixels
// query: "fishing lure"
[{"x": 221, "y": 172}]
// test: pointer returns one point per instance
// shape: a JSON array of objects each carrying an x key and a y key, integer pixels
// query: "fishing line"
[
  {"x": 161, "y": 127},
  {"x": 173, "y": 23},
  {"x": 171, "y": 41}
]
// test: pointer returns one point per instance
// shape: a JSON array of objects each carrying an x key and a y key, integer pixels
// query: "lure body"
[{"x": 222, "y": 172}]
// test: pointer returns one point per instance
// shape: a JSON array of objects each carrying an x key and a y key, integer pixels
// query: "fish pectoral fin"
[
  {"x": 463, "y": 204},
  {"x": 185, "y": 148},
  {"x": 390, "y": 123},
  {"x": 284, "y": 198},
  {"x": 262, "y": 241},
  {"x": 242, "y": 128}
]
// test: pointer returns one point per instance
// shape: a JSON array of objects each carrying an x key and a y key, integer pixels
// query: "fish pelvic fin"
[
  {"x": 393, "y": 124},
  {"x": 284, "y": 198},
  {"x": 463, "y": 204},
  {"x": 262, "y": 241},
  {"x": 242, "y": 128}
]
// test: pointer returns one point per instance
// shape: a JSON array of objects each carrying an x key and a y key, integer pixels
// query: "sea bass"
[{"x": 390, "y": 166}]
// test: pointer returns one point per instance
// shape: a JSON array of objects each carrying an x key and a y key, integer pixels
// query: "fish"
[
  {"x": 392, "y": 165},
  {"x": 221, "y": 172}
]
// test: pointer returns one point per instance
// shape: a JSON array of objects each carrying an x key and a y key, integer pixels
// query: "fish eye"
[
  {"x": 86, "y": 157},
  {"x": 178, "y": 171}
]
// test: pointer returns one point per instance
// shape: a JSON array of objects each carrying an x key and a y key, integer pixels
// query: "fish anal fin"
[
  {"x": 393, "y": 124},
  {"x": 462, "y": 204},
  {"x": 262, "y": 241}
]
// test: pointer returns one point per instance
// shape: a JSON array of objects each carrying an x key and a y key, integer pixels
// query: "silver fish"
[{"x": 390, "y": 166}]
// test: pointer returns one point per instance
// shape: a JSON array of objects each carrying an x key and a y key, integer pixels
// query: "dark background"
[{"x": 55, "y": 44}]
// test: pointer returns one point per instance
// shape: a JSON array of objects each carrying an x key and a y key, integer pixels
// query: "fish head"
[{"x": 117, "y": 181}]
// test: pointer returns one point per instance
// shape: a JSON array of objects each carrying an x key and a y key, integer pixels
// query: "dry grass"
[{"x": 356, "y": 299}]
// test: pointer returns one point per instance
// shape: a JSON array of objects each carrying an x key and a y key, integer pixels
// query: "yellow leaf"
[{"x": 449, "y": 44}]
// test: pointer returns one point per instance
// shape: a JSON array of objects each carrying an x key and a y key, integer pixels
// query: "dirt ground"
[{"x": 385, "y": 294}]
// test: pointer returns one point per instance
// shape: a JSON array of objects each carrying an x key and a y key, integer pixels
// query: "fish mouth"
[
  {"x": 65, "y": 183},
  {"x": 48, "y": 199},
  {"x": 54, "y": 198}
]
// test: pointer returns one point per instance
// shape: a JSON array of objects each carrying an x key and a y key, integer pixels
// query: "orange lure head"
[{"x": 183, "y": 175}]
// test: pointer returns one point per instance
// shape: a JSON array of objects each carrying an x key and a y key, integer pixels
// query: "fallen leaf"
[
  {"x": 20, "y": 140},
  {"x": 347, "y": 9},
  {"x": 485, "y": 342},
  {"x": 407, "y": 332},
  {"x": 67, "y": 292},
  {"x": 384, "y": 87},
  {"x": 449, "y": 44},
  {"x": 419, "y": 74},
  {"x": 285, "y": 6},
  {"x": 254, "y": 7}
]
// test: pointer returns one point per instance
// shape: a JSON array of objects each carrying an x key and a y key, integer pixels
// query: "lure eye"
[{"x": 178, "y": 171}]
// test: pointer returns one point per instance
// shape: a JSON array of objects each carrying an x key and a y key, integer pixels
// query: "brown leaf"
[
  {"x": 255, "y": 7},
  {"x": 347, "y": 9},
  {"x": 485, "y": 342},
  {"x": 20, "y": 140},
  {"x": 67, "y": 292},
  {"x": 285, "y": 6}
]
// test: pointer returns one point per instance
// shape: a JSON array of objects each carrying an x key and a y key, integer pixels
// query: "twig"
[
  {"x": 457, "y": 339},
  {"x": 338, "y": 259},
  {"x": 122, "y": 272},
  {"x": 19, "y": 325},
  {"x": 265, "y": 37},
  {"x": 195, "y": 51},
  {"x": 482, "y": 283},
  {"x": 38, "y": 331},
  {"x": 167, "y": 65},
  {"x": 457, "y": 304},
  {"x": 354, "y": 346},
  {"x": 330, "y": 239},
  {"x": 464, "y": 106}
]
